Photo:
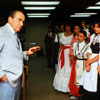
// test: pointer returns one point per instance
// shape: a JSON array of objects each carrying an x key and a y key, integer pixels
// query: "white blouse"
[
  {"x": 66, "y": 40},
  {"x": 81, "y": 45}
]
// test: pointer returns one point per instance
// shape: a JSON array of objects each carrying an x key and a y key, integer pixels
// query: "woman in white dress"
[
  {"x": 90, "y": 80},
  {"x": 61, "y": 79}
]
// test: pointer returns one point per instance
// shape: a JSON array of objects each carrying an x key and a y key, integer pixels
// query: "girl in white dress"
[
  {"x": 80, "y": 53},
  {"x": 90, "y": 80},
  {"x": 61, "y": 79}
]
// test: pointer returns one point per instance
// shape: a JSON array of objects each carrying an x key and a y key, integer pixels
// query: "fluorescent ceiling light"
[
  {"x": 39, "y": 8},
  {"x": 93, "y": 7},
  {"x": 80, "y": 15},
  {"x": 98, "y": 3},
  {"x": 38, "y": 14},
  {"x": 40, "y": 2},
  {"x": 85, "y": 13}
]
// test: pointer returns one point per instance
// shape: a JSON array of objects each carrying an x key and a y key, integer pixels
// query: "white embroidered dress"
[
  {"x": 80, "y": 52},
  {"x": 89, "y": 79},
  {"x": 62, "y": 76}
]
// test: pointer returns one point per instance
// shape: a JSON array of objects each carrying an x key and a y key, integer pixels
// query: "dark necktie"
[{"x": 17, "y": 39}]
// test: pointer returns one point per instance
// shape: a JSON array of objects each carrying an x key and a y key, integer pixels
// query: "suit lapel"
[{"x": 9, "y": 33}]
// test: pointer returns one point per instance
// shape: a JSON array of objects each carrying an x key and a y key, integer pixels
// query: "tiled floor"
[{"x": 41, "y": 80}]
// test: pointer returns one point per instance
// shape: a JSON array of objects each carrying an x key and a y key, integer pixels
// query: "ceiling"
[{"x": 62, "y": 11}]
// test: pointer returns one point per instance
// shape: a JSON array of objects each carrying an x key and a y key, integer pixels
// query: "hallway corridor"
[{"x": 41, "y": 80}]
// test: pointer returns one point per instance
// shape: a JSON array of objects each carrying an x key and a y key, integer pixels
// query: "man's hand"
[
  {"x": 32, "y": 50},
  {"x": 4, "y": 78}
]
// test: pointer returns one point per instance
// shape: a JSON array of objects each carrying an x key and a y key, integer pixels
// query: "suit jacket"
[{"x": 11, "y": 56}]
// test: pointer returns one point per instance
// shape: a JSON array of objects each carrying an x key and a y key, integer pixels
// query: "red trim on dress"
[
  {"x": 62, "y": 58},
  {"x": 74, "y": 90}
]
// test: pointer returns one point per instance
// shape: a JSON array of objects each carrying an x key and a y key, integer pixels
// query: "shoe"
[{"x": 73, "y": 97}]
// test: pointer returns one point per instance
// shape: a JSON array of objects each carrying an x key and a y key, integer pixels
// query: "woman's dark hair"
[
  {"x": 97, "y": 22},
  {"x": 67, "y": 25},
  {"x": 78, "y": 26},
  {"x": 84, "y": 32}
]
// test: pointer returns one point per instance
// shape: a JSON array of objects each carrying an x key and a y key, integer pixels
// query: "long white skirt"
[
  {"x": 89, "y": 79},
  {"x": 79, "y": 70},
  {"x": 62, "y": 76}
]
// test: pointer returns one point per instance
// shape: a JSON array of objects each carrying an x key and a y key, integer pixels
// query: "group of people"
[
  {"x": 78, "y": 62},
  {"x": 75, "y": 55}
]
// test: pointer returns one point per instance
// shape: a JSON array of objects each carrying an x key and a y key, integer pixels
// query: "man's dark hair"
[{"x": 12, "y": 13}]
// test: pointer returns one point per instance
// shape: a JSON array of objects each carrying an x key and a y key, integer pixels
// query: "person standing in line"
[
  {"x": 80, "y": 53},
  {"x": 11, "y": 56},
  {"x": 61, "y": 79},
  {"x": 75, "y": 39},
  {"x": 62, "y": 27},
  {"x": 49, "y": 46},
  {"x": 91, "y": 29},
  {"x": 84, "y": 27},
  {"x": 55, "y": 45},
  {"x": 90, "y": 81}
]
